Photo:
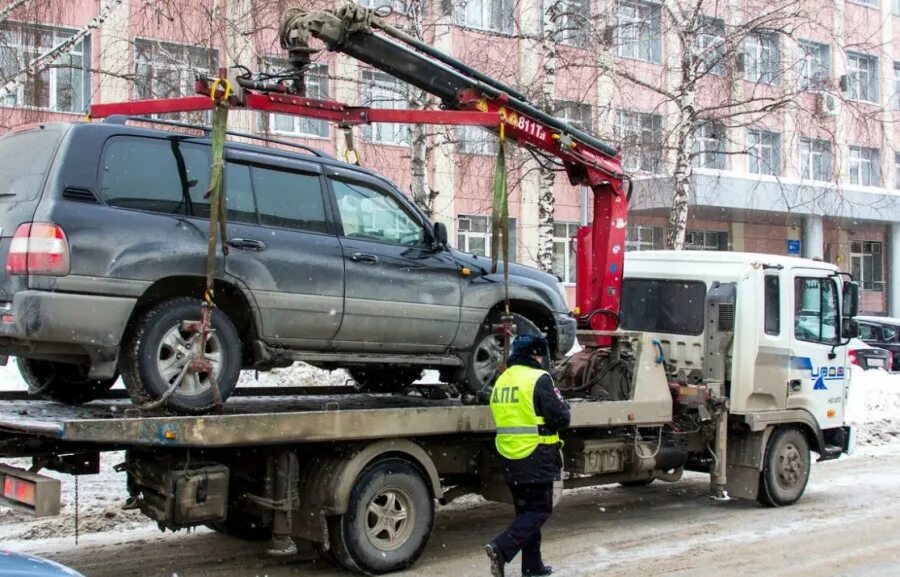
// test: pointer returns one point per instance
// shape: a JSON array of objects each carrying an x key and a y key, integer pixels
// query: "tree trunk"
[
  {"x": 546, "y": 198},
  {"x": 420, "y": 151},
  {"x": 683, "y": 170}
]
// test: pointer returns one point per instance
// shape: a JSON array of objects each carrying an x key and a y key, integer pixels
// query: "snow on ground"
[{"x": 873, "y": 406}]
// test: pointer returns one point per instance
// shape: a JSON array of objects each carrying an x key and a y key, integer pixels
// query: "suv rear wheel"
[
  {"x": 62, "y": 382},
  {"x": 157, "y": 350}
]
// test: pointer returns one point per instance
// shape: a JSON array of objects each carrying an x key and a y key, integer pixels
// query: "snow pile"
[
  {"x": 873, "y": 406},
  {"x": 298, "y": 375}
]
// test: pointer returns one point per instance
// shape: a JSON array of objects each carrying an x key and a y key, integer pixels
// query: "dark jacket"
[{"x": 545, "y": 463}]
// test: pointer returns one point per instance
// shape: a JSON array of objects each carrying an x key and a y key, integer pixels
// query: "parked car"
[
  {"x": 104, "y": 231},
  {"x": 867, "y": 356},
  {"x": 22, "y": 565},
  {"x": 882, "y": 332}
]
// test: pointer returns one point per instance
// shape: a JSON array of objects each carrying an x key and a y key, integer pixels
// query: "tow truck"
[{"x": 730, "y": 364}]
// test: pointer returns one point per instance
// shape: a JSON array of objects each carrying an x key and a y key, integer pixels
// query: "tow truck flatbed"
[{"x": 263, "y": 420}]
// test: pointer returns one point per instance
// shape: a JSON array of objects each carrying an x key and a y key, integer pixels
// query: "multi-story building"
[{"x": 815, "y": 178}]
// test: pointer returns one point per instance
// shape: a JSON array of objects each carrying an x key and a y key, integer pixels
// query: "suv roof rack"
[{"x": 122, "y": 119}]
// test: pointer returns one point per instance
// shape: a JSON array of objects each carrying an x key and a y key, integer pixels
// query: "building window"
[
  {"x": 896, "y": 86},
  {"x": 473, "y": 235},
  {"x": 638, "y": 32},
  {"x": 762, "y": 62},
  {"x": 815, "y": 159},
  {"x": 577, "y": 114},
  {"x": 381, "y": 90},
  {"x": 897, "y": 170},
  {"x": 166, "y": 70},
  {"x": 867, "y": 265},
  {"x": 64, "y": 85},
  {"x": 564, "y": 250},
  {"x": 491, "y": 15},
  {"x": 709, "y": 146},
  {"x": 640, "y": 138},
  {"x": 896, "y": 7},
  {"x": 862, "y": 77},
  {"x": 711, "y": 45},
  {"x": 572, "y": 24},
  {"x": 398, "y": 6},
  {"x": 869, "y": 3},
  {"x": 705, "y": 240},
  {"x": 864, "y": 166},
  {"x": 316, "y": 81},
  {"x": 764, "y": 152},
  {"x": 643, "y": 238},
  {"x": 475, "y": 140},
  {"x": 814, "y": 65}
]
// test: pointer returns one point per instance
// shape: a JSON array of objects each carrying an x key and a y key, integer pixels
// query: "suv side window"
[
  {"x": 372, "y": 214},
  {"x": 815, "y": 310},
  {"x": 289, "y": 199},
  {"x": 239, "y": 203},
  {"x": 159, "y": 175},
  {"x": 890, "y": 333},
  {"x": 869, "y": 332}
]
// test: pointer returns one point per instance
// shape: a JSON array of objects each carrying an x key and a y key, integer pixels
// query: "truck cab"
[{"x": 772, "y": 329}]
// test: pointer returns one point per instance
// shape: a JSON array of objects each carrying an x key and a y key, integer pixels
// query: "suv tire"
[
  {"x": 487, "y": 351},
  {"x": 156, "y": 350},
  {"x": 69, "y": 384}
]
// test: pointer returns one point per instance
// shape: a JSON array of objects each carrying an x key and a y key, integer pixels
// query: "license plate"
[{"x": 876, "y": 362}]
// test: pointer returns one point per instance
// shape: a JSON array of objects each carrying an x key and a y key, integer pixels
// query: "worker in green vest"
[{"x": 529, "y": 411}]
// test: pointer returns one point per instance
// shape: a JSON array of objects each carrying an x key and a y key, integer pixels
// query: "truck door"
[{"x": 817, "y": 362}]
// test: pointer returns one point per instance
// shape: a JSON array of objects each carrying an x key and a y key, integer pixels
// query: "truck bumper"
[
  {"x": 565, "y": 334},
  {"x": 65, "y": 326}
]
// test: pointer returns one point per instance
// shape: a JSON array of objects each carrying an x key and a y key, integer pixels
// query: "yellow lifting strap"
[{"x": 217, "y": 223}]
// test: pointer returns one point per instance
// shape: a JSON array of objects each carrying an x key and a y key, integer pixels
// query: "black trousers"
[{"x": 534, "y": 505}]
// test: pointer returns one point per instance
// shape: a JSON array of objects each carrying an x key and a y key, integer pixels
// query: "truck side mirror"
[
  {"x": 440, "y": 235},
  {"x": 850, "y": 299},
  {"x": 850, "y": 329}
]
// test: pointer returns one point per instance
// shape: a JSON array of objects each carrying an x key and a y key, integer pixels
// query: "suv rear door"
[
  {"x": 401, "y": 295},
  {"x": 283, "y": 247}
]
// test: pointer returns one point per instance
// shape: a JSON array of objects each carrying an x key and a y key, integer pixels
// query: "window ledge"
[
  {"x": 285, "y": 134},
  {"x": 39, "y": 109},
  {"x": 483, "y": 30},
  {"x": 390, "y": 144}
]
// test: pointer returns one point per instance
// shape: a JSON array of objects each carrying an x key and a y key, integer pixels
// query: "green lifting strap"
[
  {"x": 217, "y": 224},
  {"x": 500, "y": 214}
]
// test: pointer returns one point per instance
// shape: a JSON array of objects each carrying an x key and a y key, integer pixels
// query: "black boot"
[
  {"x": 498, "y": 563},
  {"x": 542, "y": 572}
]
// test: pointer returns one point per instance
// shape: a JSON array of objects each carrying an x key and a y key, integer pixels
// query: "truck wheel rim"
[
  {"x": 487, "y": 357},
  {"x": 389, "y": 519},
  {"x": 175, "y": 351},
  {"x": 790, "y": 466}
]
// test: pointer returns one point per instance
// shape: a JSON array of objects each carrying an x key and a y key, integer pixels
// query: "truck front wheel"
[
  {"x": 388, "y": 522},
  {"x": 785, "y": 468}
]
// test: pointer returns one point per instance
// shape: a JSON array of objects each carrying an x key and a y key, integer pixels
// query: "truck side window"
[
  {"x": 772, "y": 312},
  {"x": 815, "y": 310},
  {"x": 663, "y": 306}
]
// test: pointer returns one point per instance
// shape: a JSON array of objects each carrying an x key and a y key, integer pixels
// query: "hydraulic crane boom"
[{"x": 588, "y": 161}]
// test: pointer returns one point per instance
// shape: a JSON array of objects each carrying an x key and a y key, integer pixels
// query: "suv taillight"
[
  {"x": 40, "y": 249},
  {"x": 853, "y": 359}
]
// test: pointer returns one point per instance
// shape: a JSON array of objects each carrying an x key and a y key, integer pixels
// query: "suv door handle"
[
  {"x": 364, "y": 258},
  {"x": 247, "y": 244}
]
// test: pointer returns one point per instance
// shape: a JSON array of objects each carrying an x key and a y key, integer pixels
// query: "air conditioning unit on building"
[{"x": 828, "y": 104}]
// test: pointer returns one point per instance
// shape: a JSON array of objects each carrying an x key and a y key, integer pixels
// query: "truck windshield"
[{"x": 662, "y": 306}]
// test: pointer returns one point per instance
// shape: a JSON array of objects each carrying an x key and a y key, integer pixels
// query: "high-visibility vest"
[{"x": 512, "y": 404}]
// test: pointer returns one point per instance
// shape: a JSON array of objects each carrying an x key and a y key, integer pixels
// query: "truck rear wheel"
[
  {"x": 157, "y": 350},
  {"x": 388, "y": 522},
  {"x": 785, "y": 468},
  {"x": 62, "y": 382}
]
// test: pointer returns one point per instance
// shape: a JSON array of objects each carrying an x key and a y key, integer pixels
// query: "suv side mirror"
[
  {"x": 440, "y": 235},
  {"x": 850, "y": 329}
]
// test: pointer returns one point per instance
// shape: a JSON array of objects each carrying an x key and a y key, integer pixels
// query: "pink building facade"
[{"x": 819, "y": 179}]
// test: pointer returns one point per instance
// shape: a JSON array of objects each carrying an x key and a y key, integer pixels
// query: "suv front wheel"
[
  {"x": 158, "y": 349},
  {"x": 487, "y": 351}
]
